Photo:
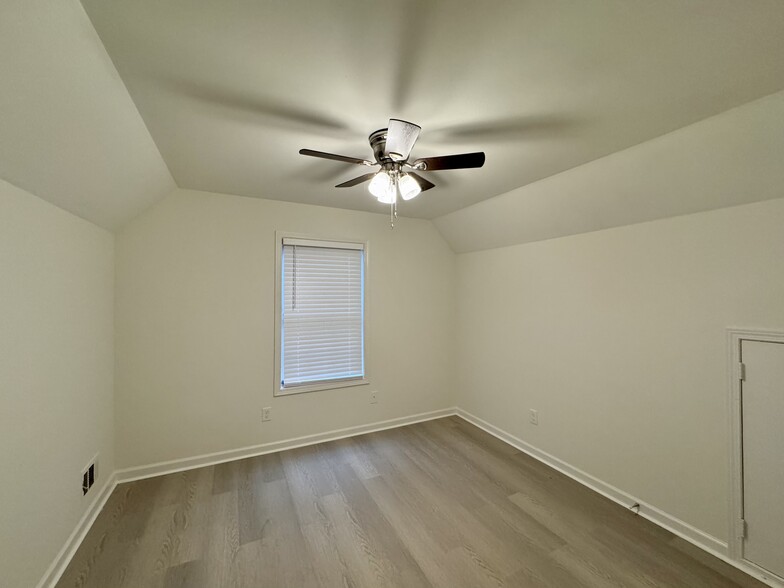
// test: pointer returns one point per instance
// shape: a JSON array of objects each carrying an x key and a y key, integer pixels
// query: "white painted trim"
[
  {"x": 60, "y": 563},
  {"x": 761, "y": 574},
  {"x": 281, "y": 237},
  {"x": 691, "y": 534},
  {"x": 735, "y": 449},
  {"x": 63, "y": 558},
  {"x": 695, "y": 536},
  {"x": 188, "y": 463},
  {"x": 735, "y": 337}
]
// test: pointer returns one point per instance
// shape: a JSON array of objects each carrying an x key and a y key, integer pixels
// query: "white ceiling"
[
  {"x": 69, "y": 132},
  {"x": 730, "y": 159},
  {"x": 231, "y": 90}
]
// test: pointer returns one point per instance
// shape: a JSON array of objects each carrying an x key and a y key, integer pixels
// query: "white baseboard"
[
  {"x": 188, "y": 463},
  {"x": 73, "y": 542},
  {"x": 676, "y": 526},
  {"x": 703, "y": 540},
  {"x": 63, "y": 558}
]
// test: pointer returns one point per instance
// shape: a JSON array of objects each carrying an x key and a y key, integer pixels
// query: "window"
[{"x": 320, "y": 331}]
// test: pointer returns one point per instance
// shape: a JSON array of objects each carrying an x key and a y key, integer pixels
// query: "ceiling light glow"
[{"x": 383, "y": 187}]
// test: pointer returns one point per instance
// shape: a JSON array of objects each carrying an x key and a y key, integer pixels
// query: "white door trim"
[{"x": 734, "y": 339}]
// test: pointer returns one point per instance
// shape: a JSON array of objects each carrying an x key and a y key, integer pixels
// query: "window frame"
[{"x": 278, "y": 389}]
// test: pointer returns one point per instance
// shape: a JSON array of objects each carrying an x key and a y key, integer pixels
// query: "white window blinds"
[{"x": 322, "y": 315}]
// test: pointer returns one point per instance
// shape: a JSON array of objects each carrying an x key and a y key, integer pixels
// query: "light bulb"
[
  {"x": 389, "y": 197},
  {"x": 382, "y": 187},
  {"x": 409, "y": 187}
]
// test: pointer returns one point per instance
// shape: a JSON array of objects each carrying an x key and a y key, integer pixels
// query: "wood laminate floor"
[{"x": 439, "y": 503}]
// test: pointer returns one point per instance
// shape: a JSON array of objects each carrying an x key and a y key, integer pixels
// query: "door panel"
[{"x": 763, "y": 454}]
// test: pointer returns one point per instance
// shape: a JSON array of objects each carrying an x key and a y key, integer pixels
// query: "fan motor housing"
[{"x": 378, "y": 142}]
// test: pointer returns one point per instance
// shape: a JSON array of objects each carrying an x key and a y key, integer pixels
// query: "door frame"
[{"x": 735, "y": 338}]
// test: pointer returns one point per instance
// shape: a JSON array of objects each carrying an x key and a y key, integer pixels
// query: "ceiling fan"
[{"x": 391, "y": 149}]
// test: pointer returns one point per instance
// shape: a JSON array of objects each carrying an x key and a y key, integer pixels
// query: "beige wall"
[
  {"x": 618, "y": 339},
  {"x": 195, "y": 315},
  {"x": 56, "y": 371}
]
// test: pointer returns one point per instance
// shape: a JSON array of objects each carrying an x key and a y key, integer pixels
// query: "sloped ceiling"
[
  {"x": 231, "y": 90},
  {"x": 731, "y": 159},
  {"x": 69, "y": 131},
  {"x": 223, "y": 94}
]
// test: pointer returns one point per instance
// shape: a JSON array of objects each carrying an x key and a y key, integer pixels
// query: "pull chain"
[{"x": 393, "y": 206}]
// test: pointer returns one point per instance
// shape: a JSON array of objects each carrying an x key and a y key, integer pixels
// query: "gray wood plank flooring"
[{"x": 439, "y": 503}]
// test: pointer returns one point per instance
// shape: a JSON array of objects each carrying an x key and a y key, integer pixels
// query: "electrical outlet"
[
  {"x": 374, "y": 397},
  {"x": 266, "y": 413},
  {"x": 533, "y": 416}
]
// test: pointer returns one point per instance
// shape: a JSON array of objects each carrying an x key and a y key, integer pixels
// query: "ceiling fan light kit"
[
  {"x": 408, "y": 186},
  {"x": 383, "y": 187},
  {"x": 391, "y": 149}
]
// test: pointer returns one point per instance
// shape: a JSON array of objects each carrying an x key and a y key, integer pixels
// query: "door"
[{"x": 762, "y": 397}]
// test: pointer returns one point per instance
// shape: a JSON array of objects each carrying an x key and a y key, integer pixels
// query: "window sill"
[{"x": 317, "y": 386}]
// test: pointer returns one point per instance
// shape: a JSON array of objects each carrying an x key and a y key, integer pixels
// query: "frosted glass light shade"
[
  {"x": 389, "y": 197},
  {"x": 409, "y": 188},
  {"x": 382, "y": 187}
]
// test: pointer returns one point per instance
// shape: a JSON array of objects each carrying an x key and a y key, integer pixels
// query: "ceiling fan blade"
[
  {"x": 357, "y": 180},
  {"x": 344, "y": 158},
  {"x": 461, "y": 161},
  {"x": 520, "y": 128},
  {"x": 401, "y": 136},
  {"x": 423, "y": 183},
  {"x": 251, "y": 102}
]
